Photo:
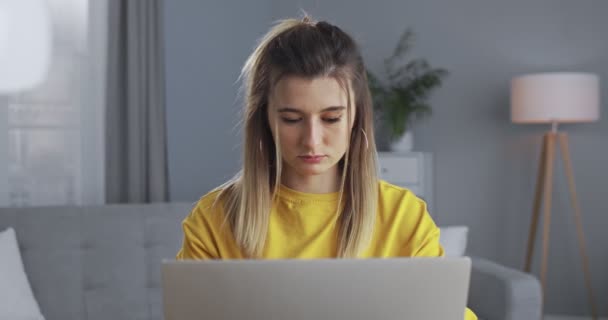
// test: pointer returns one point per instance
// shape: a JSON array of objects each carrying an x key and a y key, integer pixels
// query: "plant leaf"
[
  {"x": 403, "y": 98},
  {"x": 403, "y": 47}
]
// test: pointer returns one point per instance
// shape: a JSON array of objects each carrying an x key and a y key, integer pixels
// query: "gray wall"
[
  {"x": 485, "y": 166},
  {"x": 206, "y": 45}
]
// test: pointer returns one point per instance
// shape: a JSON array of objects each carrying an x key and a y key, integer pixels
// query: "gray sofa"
[{"x": 103, "y": 262}]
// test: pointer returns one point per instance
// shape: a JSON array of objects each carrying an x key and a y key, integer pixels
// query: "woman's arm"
[
  {"x": 427, "y": 243},
  {"x": 193, "y": 247},
  {"x": 200, "y": 229}
]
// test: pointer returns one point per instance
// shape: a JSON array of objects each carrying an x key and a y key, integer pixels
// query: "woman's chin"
[{"x": 312, "y": 170}]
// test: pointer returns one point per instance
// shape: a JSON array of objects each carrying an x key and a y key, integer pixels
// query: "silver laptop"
[{"x": 337, "y": 289}]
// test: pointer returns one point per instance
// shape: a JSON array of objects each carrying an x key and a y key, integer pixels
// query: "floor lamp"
[{"x": 555, "y": 98}]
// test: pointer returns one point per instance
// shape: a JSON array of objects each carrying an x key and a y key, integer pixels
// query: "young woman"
[{"x": 308, "y": 187}]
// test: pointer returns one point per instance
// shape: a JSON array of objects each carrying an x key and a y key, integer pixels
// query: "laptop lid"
[{"x": 340, "y": 289}]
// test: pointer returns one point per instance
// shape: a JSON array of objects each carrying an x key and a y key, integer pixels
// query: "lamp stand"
[{"x": 544, "y": 186}]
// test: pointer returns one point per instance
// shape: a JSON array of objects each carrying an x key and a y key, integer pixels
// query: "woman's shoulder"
[
  {"x": 394, "y": 200},
  {"x": 209, "y": 200},
  {"x": 404, "y": 214},
  {"x": 208, "y": 207},
  {"x": 391, "y": 192}
]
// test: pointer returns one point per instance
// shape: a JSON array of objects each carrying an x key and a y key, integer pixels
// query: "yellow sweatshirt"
[{"x": 302, "y": 225}]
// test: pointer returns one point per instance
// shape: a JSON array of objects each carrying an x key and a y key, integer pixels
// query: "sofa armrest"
[{"x": 500, "y": 293}]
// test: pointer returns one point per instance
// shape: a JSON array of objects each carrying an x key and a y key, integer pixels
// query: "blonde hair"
[{"x": 308, "y": 49}]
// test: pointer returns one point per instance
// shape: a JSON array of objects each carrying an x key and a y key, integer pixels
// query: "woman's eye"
[
  {"x": 296, "y": 120},
  {"x": 332, "y": 120}
]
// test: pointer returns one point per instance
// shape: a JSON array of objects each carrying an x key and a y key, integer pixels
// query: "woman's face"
[{"x": 309, "y": 119}]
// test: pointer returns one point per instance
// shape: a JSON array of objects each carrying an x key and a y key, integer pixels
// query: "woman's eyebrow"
[{"x": 332, "y": 108}]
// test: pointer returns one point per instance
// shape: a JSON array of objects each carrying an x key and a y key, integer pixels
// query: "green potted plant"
[{"x": 403, "y": 97}]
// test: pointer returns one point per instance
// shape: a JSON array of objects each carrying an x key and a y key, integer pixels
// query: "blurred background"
[{"x": 148, "y": 111}]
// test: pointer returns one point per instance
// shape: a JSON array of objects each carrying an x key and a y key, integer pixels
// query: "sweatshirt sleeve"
[
  {"x": 199, "y": 234},
  {"x": 427, "y": 243}
]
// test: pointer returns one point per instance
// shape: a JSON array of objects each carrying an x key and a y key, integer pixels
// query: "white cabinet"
[{"x": 411, "y": 170}]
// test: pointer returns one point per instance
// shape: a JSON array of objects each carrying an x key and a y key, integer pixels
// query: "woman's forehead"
[{"x": 308, "y": 95}]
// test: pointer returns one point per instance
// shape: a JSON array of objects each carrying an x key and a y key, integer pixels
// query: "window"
[{"x": 52, "y": 136}]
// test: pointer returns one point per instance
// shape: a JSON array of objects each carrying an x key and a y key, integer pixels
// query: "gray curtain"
[{"x": 136, "y": 142}]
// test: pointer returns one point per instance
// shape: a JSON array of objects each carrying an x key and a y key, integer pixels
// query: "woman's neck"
[{"x": 323, "y": 183}]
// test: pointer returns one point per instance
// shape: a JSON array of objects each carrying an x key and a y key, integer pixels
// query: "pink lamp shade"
[
  {"x": 25, "y": 44},
  {"x": 558, "y": 97}
]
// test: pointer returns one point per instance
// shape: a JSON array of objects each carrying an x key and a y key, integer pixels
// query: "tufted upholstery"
[{"x": 100, "y": 262}]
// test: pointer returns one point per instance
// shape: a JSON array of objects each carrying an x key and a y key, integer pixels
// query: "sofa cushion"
[
  {"x": 454, "y": 240},
  {"x": 17, "y": 301},
  {"x": 97, "y": 262}
]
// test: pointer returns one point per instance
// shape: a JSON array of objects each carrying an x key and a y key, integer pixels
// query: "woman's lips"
[{"x": 312, "y": 159}]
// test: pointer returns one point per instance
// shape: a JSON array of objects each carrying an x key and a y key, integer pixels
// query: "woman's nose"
[{"x": 312, "y": 135}]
